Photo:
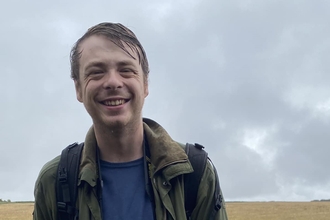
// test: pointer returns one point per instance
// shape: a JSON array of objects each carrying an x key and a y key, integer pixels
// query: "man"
[{"x": 110, "y": 72}]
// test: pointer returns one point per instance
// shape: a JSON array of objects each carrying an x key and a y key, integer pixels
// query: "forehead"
[{"x": 101, "y": 47}]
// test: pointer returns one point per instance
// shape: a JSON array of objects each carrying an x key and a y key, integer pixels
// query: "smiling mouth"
[{"x": 114, "y": 102}]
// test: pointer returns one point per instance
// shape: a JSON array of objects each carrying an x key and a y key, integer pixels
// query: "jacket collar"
[
  {"x": 88, "y": 165},
  {"x": 163, "y": 149}
]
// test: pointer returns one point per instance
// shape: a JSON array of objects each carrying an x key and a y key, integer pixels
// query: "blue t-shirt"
[{"x": 124, "y": 194}]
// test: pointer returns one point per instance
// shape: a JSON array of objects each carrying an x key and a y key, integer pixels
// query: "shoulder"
[
  {"x": 183, "y": 146},
  {"x": 44, "y": 191},
  {"x": 209, "y": 172},
  {"x": 50, "y": 168},
  {"x": 48, "y": 173}
]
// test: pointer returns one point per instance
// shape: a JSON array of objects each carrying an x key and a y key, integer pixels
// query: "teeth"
[{"x": 114, "y": 102}]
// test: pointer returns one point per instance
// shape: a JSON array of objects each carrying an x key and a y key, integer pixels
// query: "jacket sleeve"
[
  {"x": 205, "y": 198},
  {"x": 44, "y": 192}
]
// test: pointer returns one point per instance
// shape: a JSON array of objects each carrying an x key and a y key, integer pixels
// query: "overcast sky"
[{"x": 248, "y": 79}]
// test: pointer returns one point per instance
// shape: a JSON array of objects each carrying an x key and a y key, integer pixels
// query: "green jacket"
[{"x": 168, "y": 162}]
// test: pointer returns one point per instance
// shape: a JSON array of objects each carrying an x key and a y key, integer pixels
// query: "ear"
[
  {"x": 146, "y": 89},
  {"x": 78, "y": 90}
]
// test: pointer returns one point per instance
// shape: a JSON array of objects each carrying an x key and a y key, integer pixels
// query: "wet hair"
[{"x": 119, "y": 35}]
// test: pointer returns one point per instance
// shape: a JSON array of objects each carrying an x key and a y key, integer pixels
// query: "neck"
[{"x": 122, "y": 145}]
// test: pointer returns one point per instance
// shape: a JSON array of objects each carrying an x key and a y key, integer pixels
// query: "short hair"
[{"x": 119, "y": 35}]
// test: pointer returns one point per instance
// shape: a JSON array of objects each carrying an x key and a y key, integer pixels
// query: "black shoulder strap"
[
  {"x": 198, "y": 159},
  {"x": 66, "y": 182}
]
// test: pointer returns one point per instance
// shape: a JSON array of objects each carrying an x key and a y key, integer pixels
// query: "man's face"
[{"x": 111, "y": 83}]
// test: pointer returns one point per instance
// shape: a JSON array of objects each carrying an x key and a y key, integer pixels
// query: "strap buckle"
[
  {"x": 218, "y": 203},
  {"x": 63, "y": 178},
  {"x": 61, "y": 206}
]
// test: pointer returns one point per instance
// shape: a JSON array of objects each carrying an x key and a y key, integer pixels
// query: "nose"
[{"x": 112, "y": 81}]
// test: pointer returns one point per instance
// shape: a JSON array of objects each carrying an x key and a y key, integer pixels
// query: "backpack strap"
[
  {"x": 197, "y": 157},
  {"x": 66, "y": 182}
]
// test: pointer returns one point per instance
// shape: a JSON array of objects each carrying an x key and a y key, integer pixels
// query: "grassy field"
[
  {"x": 279, "y": 211},
  {"x": 235, "y": 210},
  {"x": 16, "y": 211}
]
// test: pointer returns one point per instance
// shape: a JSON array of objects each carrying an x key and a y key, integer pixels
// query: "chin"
[{"x": 115, "y": 124}]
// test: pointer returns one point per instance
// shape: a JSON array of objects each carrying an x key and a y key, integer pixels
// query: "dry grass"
[
  {"x": 236, "y": 211},
  {"x": 16, "y": 211},
  {"x": 279, "y": 211}
]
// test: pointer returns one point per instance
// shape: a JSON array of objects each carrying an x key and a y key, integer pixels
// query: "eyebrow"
[
  {"x": 104, "y": 65},
  {"x": 125, "y": 63}
]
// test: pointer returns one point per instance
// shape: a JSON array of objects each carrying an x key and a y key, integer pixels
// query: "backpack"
[{"x": 68, "y": 169}]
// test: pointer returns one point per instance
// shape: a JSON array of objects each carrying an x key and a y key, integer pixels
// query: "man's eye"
[
  {"x": 125, "y": 70},
  {"x": 96, "y": 72}
]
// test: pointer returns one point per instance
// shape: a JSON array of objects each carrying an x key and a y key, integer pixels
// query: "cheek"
[{"x": 89, "y": 87}]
